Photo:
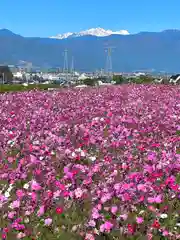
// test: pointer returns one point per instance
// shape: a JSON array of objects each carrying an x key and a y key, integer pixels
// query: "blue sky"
[{"x": 49, "y": 17}]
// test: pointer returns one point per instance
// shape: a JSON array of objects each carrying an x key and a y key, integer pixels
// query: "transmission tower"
[
  {"x": 108, "y": 67},
  {"x": 65, "y": 68}
]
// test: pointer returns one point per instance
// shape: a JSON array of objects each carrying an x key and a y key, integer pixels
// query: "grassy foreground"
[{"x": 19, "y": 87}]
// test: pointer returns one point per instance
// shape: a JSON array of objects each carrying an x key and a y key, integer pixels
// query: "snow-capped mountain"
[{"x": 99, "y": 32}]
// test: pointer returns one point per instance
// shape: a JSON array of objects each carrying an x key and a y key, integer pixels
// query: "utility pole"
[
  {"x": 72, "y": 65},
  {"x": 65, "y": 68},
  {"x": 72, "y": 68},
  {"x": 3, "y": 78},
  {"x": 108, "y": 67}
]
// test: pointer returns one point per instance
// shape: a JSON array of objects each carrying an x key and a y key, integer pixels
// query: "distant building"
[
  {"x": 175, "y": 79},
  {"x": 6, "y": 75}
]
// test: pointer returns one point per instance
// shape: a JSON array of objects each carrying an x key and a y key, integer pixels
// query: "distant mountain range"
[
  {"x": 98, "y": 32},
  {"x": 145, "y": 50}
]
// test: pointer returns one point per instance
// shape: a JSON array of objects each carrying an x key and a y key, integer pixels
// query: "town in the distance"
[{"x": 90, "y": 57}]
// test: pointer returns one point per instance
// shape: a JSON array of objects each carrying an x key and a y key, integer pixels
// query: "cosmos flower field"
[{"x": 94, "y": 163}]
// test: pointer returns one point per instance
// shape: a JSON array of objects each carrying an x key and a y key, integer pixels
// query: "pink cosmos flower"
[
  {"x": 20, "y": 193},
  {"x": 165, "y": 233},
  {"x": 41, "y": 211},
  {"x": 139, "y": 220},
  {"x": 114, "y": 209},
  {"x": 126, "y": 197},
  {"x": 151, "y": 156},
  {"x": 33, "y": 159},
  {"x": 152, "y": 208},
  {"x": 107, "y": 226},
  {"x": 159, "y": 199},
  {"x": 3, "y": 236},
  {"x": 141, "y": 187},
  {"x": 99, "y": 207},
  {"x": 109, "y": 114},
  {"x": 78, "y": 193},
  {"x": 35, "y": 186},
  {"x": 151, "y": 200},
  {"x": 34, "y": 196},
  {"x": 95, "y": 214},
  {"x": 59, "y": 210}
]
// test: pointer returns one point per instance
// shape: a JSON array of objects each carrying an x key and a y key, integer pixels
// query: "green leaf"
[{"x": 178, "y": 132}]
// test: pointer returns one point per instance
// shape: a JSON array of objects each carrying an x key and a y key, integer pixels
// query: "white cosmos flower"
[
  {"x": 78, "y": 150},
  {"x": 92, "y": 158},
  {"x": 163, "y": 216},
  {"x": 26, "y": 220},
  {"x": 7, "y": 194},
  {"x": 73, "y": 154},
  {"x": 141, "y": 212},
  {"x": 26, "y": 186},
  {"x": 83, "y": 154}
]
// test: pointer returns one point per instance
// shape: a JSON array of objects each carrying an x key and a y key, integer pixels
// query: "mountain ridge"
[{"x": 145, "y": 50}]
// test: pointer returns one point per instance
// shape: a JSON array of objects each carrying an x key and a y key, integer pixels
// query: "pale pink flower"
[
  {"x": 102, "y": 228},
  {"x": 20, "y": 235},
  {"x": 48, "y": 221},
  {"x": 89, "y": 236},
  {"x": 124, "y": 216},
  {"x": 57, "y": 194},
  {"x": 157, "y": 199},
  {"x": 105, "y": 197},
  {"x": 16, "y": 204},
  {"x": 152, "y": 208},
  {"x": 92, "y": 223},
  {"x": 10, "y": 159},
  {"x": 78, "y": 193},
  {"x": 95, "y": 214},
  {"x": 11, "y": 214}
]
